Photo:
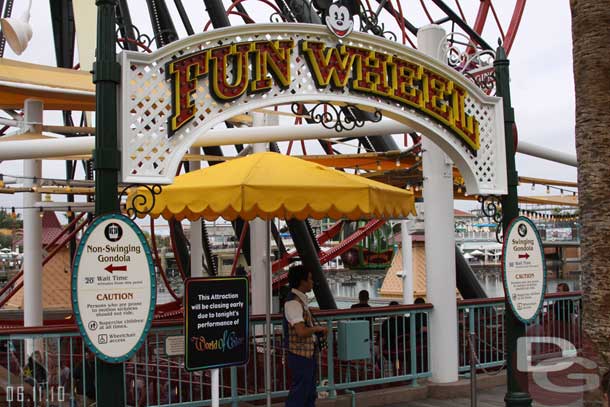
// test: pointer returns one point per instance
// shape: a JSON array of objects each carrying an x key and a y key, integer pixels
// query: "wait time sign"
[
  {"x": 524, "y": 269},
  {"x": 113, "y": 287}
]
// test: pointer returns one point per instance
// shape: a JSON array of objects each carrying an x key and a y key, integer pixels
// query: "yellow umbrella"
[{"x": 271, "y": 185}]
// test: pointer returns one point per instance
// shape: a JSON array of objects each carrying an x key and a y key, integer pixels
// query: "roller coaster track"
[
  {"x": 59, "y": 242},
  {"x": 321, "y": 238},
  {"x": 337, "y": 250}
]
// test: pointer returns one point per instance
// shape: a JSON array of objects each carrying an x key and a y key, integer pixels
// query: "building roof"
[
  {"x": 462, "y": 214},
  {"x": 51, "y": 228},
  {"x": 392, "y": 283},
  {"x": 55, "y": 285}
]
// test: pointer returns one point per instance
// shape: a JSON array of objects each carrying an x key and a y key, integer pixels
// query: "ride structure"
[{"x": 148, "y": 113}]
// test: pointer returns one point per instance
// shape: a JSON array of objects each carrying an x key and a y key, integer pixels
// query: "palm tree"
[{"x": 591, "y": 52}]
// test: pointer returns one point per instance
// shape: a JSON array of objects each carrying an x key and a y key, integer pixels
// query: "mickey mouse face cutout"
[{"x": 339, "y": 20}]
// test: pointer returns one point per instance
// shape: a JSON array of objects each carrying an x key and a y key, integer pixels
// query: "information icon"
[{"x": 93, "y": 325}]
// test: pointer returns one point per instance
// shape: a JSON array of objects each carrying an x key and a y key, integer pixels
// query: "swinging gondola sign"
[
  {"x": 524, "y": 269},
  {"x": 113, "y": 288}
]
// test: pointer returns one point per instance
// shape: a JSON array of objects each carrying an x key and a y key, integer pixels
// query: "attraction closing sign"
[
  {"x": 113, "y": 287},
  {"x": 524, "y": 269},
  {"x": 216, "y": 322}
]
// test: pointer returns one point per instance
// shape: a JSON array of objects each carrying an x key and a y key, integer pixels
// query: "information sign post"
[
  {"x": 216, "y": 322},
  {"x": 524, "y": 269},
  {"x": 113, "y": 288},
  {"x": 106, "y": 76},
  {"x": 516, "y": 394}
]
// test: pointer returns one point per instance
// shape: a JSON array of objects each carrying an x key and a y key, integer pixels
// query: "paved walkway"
[{"x": 487, "y": 398}]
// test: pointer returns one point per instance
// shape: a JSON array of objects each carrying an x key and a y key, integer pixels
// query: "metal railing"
[
  {"x": 62, "y": 372},
  {"x": 559, "y": 318}
]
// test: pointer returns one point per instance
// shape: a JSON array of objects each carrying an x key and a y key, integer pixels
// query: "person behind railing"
[
  {"x": 392, "y": 328},
  {"x": 300, "y": 339},
  {"x": 420, "y": 318},
  {"x": 563, "y": 309},
  {"x": 9, "y": 359},
  {"x": 363, "y": 300},
  {"x": 34, "y": 372},
  {"x": 396, "y": 330},
  {"x": 84, "y": 376}
]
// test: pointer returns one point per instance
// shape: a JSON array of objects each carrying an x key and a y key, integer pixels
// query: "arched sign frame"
[{"x": 151, "y": 152}]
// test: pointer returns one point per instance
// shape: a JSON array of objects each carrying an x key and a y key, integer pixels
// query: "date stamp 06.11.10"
[{"x": 32, "y": 395}]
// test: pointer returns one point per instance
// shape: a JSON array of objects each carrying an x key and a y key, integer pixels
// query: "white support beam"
[
  {"x": 440, "y": 240},
  {"x": 32, "y": 231},
  {"x": 61, "y": 147},
  {"x": 533, "y": 150},
  {"x": 195, "y": 237}
]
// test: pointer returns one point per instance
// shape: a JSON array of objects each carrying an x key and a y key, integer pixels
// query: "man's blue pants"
[{"x": 303, "y": 388}]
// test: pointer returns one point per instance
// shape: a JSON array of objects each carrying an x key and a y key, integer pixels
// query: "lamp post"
[
  {"x": 106, "y": 158},
  {"x": 516, "y": 396}
]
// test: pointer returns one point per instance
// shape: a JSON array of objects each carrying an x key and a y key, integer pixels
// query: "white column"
[
  {"x": 258, "y": 247},
  {"x": 32, "y": 229},
  {"x": 195, "y": 234},
  {"x": 440, "y": 240},
  {"x": 407, "y": 264}
]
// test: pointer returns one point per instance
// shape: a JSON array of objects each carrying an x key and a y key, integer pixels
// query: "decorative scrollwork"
[
  {"x": 141, "y": 40},
  {"x": 500, "y": 233},
  {"x": 469, "y": 58},
  {"x": 337, "y": 118},
  {"x": 369, "y": 22},
  {"x": 277, "y": 18},
  {"x": 491, "y": 207},
  {"x": 141, "y": 200}
]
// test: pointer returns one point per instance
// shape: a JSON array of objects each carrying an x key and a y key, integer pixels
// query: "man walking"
[{"x": 300, "y": 339}]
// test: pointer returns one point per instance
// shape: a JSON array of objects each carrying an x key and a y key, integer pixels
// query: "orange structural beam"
[{"x": 58, "y": 88}]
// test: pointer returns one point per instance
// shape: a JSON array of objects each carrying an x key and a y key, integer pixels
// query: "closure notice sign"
[
  {"x": 113, "y": 287},
  {"x": 216, "y": 322}
]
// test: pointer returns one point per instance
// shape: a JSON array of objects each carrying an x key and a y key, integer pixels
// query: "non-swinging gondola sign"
[
  {"x": 524, "y": 269},
  {"x": 113, "y": 287}
]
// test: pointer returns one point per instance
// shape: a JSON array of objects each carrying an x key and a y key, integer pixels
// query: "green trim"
[
  {"x": 543, "y": 292},
  {"x": 153, "y": 288}
]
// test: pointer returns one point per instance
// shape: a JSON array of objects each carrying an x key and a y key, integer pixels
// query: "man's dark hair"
[
  {"x": 393, "y": 303},
  {"x": 296, "y": 274},
  {"x": 419, "y": 300},
  {"x": 363, "y": 295}
]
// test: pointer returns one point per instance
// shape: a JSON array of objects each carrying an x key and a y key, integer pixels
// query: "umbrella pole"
[{"x": 268, "y": 312}]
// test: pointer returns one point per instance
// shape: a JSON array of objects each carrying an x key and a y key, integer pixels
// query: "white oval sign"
[
  {"x": 113, "y": 287},
  {"x": 524, "y": 269}
]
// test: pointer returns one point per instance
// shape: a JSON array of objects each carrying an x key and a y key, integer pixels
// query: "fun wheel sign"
[
  {"x": 524, "y": 269},
  {"x": 113, "y": 288},
  {"x": 172, "y": 97}
]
